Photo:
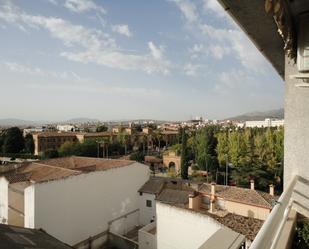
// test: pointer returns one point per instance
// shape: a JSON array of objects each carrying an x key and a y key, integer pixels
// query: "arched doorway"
[{"x": 172, "y": 166}]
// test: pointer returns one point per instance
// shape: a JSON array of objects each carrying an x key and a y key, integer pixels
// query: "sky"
[{"x": 120, "y": 59}]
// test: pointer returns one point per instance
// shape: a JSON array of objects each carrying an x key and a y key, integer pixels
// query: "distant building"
[
  {"x": 268, "y": 122},
  {"x": 74, "y": 198},
  {"x": 66, "y": 128},
  {"x": 45, "y": 141}
]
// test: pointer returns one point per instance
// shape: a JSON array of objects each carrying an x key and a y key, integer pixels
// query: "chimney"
[
  {"x": 212, "y": 197},
  {"x": 194, "y": 201},
  {"x": 271, "y": 189},
  {"x": 252, "y": 184},
  {"x": 212, "y": 206},
  {"x": 213, "y": 191}
]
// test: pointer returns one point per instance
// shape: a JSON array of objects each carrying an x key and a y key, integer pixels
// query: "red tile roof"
[{"x": 58, "y": 168}]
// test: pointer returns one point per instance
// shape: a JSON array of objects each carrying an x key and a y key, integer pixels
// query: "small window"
[
  {"x": 141, "y": 193},
  {"x": 148, "y": 203}
]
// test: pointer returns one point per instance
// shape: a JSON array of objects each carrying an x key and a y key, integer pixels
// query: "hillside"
[{"x": 278, "y": 113}]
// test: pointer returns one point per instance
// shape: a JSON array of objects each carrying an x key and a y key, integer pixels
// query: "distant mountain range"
[
  {"x": 18, "y": 122},
  {"x": 278, "y": 113},
  {"x": 81, "y": 121}
]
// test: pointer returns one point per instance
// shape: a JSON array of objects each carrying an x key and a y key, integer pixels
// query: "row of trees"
[
  {"x": 13, "y": 142},
  {"x": 251, "y": 153}
]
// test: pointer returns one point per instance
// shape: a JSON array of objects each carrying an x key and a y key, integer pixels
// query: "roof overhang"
[{"x": 260, "y": 27}]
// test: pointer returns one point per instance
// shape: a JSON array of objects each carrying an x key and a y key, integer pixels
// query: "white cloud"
[
  {"x": 67, "y": 80},
  {"x": 80, "y": 6},
  {"x": 219, "y": 42},
  {"x": 122, "y": 29},
  {"x": 85, "y": 45},
  {"x": 54, "y": 2},
  {"x": 231, "y": 41},
  {"x": 188, "y": 9},
  {"x": 18, "y": 68},
  {"x": 215, "y": 7},
  {"x": 234, "y": 81},
  {"x": 215, "y": 50},
  {"x": 191, "y": 69},
  {"x": 15, "y": 67},
  {"x": 156, "y": 52}
]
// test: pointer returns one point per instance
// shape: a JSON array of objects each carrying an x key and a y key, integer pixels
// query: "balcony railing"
[{"x": 295, "y": 197}]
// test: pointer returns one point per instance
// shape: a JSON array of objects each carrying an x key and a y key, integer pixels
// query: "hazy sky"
[{"x": 121, "y": 59}]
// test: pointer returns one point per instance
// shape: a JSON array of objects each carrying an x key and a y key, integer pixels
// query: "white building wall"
[
  {"x": 3, "y": 200},
  {"x": 75, "y": 208},
  {"x": 146, "y": 239},
  {"x": 29, "y": 201},
  {"x": 179, "y": 228},
  {"x": 66, "y": 128},
  {"x": 266, "y": 123},
  {"x": 146, "y": 213}
]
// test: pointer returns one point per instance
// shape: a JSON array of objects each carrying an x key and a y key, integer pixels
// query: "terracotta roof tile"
[
  {"x": 243, "y": 195},
  {"x": 58, "y": 168}
]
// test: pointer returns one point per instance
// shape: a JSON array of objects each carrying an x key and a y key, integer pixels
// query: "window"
[{"x": 148, "y": 203}]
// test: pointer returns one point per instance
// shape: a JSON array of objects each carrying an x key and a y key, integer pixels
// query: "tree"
[
  {"x": 137, "y": 156},
  {"x": 184, "y": 162},
  {"x": 124, "y": 139},
  {"x": 222, "y": 148},
  {"x": 50, "y": 154},
  {"x": 101, "y": 128},
  {"x": 13, "y": 141},
  {"x": 206, "y": 143},
  {"x": 68, "y": 149},
  {"x": 29, "y": 144}
]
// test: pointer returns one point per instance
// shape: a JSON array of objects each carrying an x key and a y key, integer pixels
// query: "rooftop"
[
  {"x": 19, "y": 238},
  {"x": 158, "y": 186},
  {"x": 242, "y": 195},
  {"x": 58, "y": 168}
]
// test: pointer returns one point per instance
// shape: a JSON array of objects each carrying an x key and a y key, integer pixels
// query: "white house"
[
  {"x": 196, "y": 215},
  {"x": 74, "y": 198}
]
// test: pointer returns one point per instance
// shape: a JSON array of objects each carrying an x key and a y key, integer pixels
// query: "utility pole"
[
  {"x": 207, "y": 168},
  {"x": 226, "y": 169},
  {"x": 103, "y": 149}
]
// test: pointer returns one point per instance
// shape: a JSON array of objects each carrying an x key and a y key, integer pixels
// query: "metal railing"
[{"x": 269, "y": 234}]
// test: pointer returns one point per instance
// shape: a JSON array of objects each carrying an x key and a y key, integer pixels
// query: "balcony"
[{"x": 278, "y": 230}]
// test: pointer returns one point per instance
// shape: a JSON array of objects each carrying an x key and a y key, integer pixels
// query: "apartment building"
[
  {"x": 74, "y": 198},
  {"x": 268, "y": 122},
  {"x": 45, "y": 141}
]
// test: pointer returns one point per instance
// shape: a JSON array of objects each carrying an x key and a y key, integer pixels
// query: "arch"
[
  {"x": 172, "y": 166},
  {"x": 171, "y": 160}
]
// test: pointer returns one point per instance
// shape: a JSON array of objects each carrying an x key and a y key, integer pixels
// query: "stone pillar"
[{"x": 252, "y": 185}]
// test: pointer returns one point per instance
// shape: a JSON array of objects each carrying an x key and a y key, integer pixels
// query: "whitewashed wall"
[
  {"x": 29, "y": 202},
  {"x": 178, "y": 228},
  {"x": 3, "y": 200},
  {"x": 75, "y": 208},
  {"x": 147, "y": 240},
  {"x": 146, "y": 213}
]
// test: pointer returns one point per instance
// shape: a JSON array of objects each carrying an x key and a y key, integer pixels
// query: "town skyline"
[{"x": 99, "y": 60}]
